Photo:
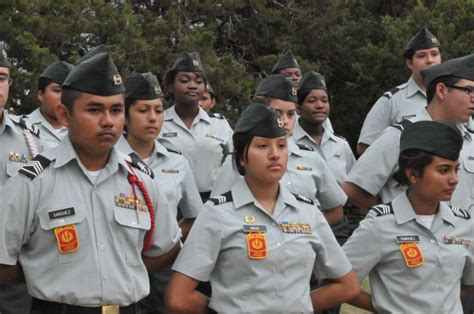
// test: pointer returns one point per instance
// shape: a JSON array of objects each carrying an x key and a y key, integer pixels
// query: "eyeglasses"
[
  {"x": 467, "y": 89},
  {"x": 5, "y": 79}
]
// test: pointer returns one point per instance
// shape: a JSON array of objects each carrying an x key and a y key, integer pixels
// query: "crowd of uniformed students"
[{"x": 115, "y": 200}]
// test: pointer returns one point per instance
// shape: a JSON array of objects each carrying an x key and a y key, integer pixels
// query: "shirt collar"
[
  {"x": 36, "y": 117},
  {"x": 293, "y": 147},
  {"x": 413, "y": 88},
  {"x": 170, "y": 114},
  {"x": 8, "y": 122}
]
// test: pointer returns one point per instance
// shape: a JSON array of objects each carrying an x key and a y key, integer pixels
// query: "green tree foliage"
[{"x": 356, "y": 44}]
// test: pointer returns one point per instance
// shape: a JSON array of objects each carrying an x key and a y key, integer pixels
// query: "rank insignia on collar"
[
  {"x": 257, "y": 245},
  {"x": 412, "y": 254},
  {"x": 454, "y": 240},
  {"x": 16, "y": 157},
  {"x": 249, "y": 219},
  {"x": 67, "y": 238}
]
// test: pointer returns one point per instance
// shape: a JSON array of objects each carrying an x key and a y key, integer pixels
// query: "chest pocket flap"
[
  {"x": 53, "y": 218},
  {"x": 132, "y": 218}
]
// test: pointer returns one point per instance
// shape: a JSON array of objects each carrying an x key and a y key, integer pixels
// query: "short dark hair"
[
  {"x": 241, "y": 147},
  {"x": 43, "y": 82},
  {"x": 414, "y": 159},
  {"x": 431, "y": 88},
  {"x": 69, "y": 97}
]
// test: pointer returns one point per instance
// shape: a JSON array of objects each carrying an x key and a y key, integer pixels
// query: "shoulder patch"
[
  {"x": 382, "y": 210},
  {"x": 402, "y": 124},
  {"x": 216, "y": 115},
  {"x": 459, "y": 212},
  {"x": 221, "y": 199},
  {"x": 26, "y": 125},
  {"x": 173, "y": 151},
  {"x": 35, "y": 166},
  {"x": 304, "y": 147},
  {"x": 389, "y": 94},
  {"x": 138, "y": 163},
  {"x": 302, "y": 198},
  {"x": 468, "y": 128}
]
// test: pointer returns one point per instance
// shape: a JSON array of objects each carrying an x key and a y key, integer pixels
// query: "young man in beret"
[
  {"x": 49, "y": 94},
  {"x": 84, "y": 221},
  {"x": 407, "y": 100}
]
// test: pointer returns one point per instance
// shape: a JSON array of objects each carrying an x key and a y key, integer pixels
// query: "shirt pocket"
[
  {"x": 13, "y": 167},
  {"x": 65, "y": 243},
  {"x": 134, "y": 224}
]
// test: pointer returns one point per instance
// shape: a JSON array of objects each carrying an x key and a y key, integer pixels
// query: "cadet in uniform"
[
  {"x": 307, "y": 172},
  {"x": 208, "y": 100},
  {"x": 258, "y": 243},
  {"x": 82, "y": 219},
  {"x": 19, "y": 143},
  {"x": 416, "y": 249},
  {"x": 173, "y": 176},
  {"x": 49, "y": 95},
  {"x": 203, "y": 138},
  {"x": 407, "y": 100},
  {"x": 450, "y": 98}
]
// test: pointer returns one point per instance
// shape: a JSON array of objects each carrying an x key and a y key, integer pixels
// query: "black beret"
[
  {"x": 286, "y": 61},
  {"x": 4, "y": 61},
  {"x": 188, "y": 62},
  {"x": 142, "y": 86},
  {"x": 462, "y": 68},
  {"x": 277, "y": 86},
  {"x": 438, "y": 138},
  {"x": 311, "y": 80},
  {"x": 260, "y": 120},
  {"x": 96, "y": 75},
  {"x": 424, "y": 39},
  {"x": 57, "y": 72}
]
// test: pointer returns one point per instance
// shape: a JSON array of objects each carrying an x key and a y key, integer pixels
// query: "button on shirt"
[
  {"x": 334, "y": 149},
  {"x": 433, "y": 286},
  {"x": 50, "y": 137},
  {"x": 107, "y": 268},
  {"x": 204, "y": 145},
  {"x": 307, "y": 174},
  {"x": 173, "y": 177},
  {"x": 14, "y": 152},
  {"x": 403, "y": 104},
  {"x": 216, "y": 250}
]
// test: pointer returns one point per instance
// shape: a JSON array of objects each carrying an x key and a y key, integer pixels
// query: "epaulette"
[
  {"x": 35, "y": 166},
  {"x": 383, "y": 209},
  {"x": 304, "y": 147},
  {"x": 302, "y": 198},
  {"x": 402, "y": 124},
  {"x": 468, "y": 128},
  {"x": 216, "y": 115},
  {"x": 26, "y": 125},
  {"x": 389, "y": 94},
  {"x": 173, "y": 151},
  {"x": 459, "y": 212},
  {"x": 221, "y": 199},
  {"x": 138, "y": 163}
]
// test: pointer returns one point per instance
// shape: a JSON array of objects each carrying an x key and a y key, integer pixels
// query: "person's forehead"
[
  {"x": 87, "y": 98},
  {"x": 464, "y": 82},
  {"x": 429, "y": 50},
  {"x": 4, "y": 70},
  {"x": 288, "y": 70}
]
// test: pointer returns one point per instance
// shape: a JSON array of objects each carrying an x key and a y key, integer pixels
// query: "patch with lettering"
[
  {"x": 255, "y": 228},
  {"x": 412, "y": 254},
  {"x": 16, "y": 157},
  {"x": 215, "y": 137},
  {"x": 67, "y": 238},
  {"x": 408, "y": 238},
  {"x": 61, "y": 213},
  {"x": 303, "y": 168},
  {"x": 170, "y": 134},
  {"x": 257, "y": 245},
  {"x": 295, "y": 227},
  {"x": 130, "y": 202},
  {"x": 169, "y": 170}
]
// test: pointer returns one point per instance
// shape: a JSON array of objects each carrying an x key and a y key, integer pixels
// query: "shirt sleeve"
[
  {"x": 374, "y": 168},
  {"x": 363, "y": 247},
  {"x": 331, "y": 262},
  {"x": 329, "y": 193},
  {"x": 167, "y": 232},
  {"x": 190, "y": 203},
  {"x": 226, "y": 177},
  {"x": 376, "y": 121},
  {"x": 201, "y": 249},
  {"x": 349, "y": 156},
  {"x": 468, "y": 272},
  {"x": 17, "y": 216}
]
